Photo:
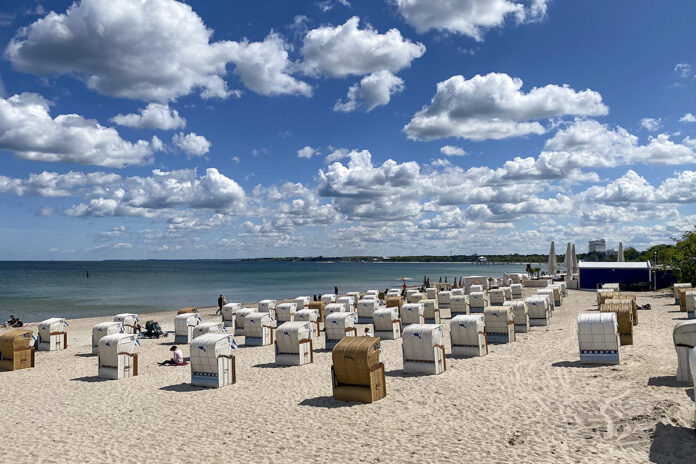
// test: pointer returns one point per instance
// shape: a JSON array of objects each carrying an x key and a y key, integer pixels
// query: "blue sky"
[{"x": 160, "y": 129}]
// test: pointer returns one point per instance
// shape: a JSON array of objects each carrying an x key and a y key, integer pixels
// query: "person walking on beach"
[
  {"x": 336, "y": 290},
  {"x": 221, "y": 299}
]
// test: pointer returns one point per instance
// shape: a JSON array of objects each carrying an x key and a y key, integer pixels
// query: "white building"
[{"x": 598, "y": 246}]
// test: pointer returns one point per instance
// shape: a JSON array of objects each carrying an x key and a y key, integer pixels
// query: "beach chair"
[
  {"x": 458, "y": 291},
  {"x": 348, "y": 302},
  {"x": 356, "y": 373},
  {"x": 496, "y": 296},
  {"x": 294, "y": 344},
  {"x": 375, "y": 293},
  {"x": 500, "y": 324},
  {"x": 212, "y": 360},
  {"x": 117, "y": 358},
  {"x": 689, "y": 303},
  {"x": 612, "y": 286},
  {"x": 468, "y": 336},
  {"x": 16, "y": 351},
  {"x": 539, "y": 310},
  {"x": 520, "y": 315},
  {"x": 393, "y": 292},
  {"x": 229, "y": 315},
  {"x": 630, "y": 300},
  {"x": 557, "y": 294},
  {"x": 692, "y": 364},
  {"x": 431, "y": 312},
  {"x": 302, "y": 302},
  {"x": 355, "y": 296},
  {"x": 258, "y": 329},
  {"x": 285, "y": 312},
  {"x": 387, "y": 323},
  {"x": 310, "y": 316},
  {"x": 319, "y": 307},
  {"x": 564, "y": 288},
  {"x": 52, "y": 334},
  {"x": 476, "y": 288},
  {"x": 328, "y": 298},
  {"x": 101, "y": 330},
  {"x": 208, "y": 327},
  {"x": 477, "y": 302},
  {"x": 183, "y": 327},
  {"x": 128, "y": 321},
  {"x": 239, "y": 320},
  {"x": 416, "y": 297},
  {"x": 431, "y": 293},
  {"x": 412, "y": 313},
  {"x": 684, "y": 336},
  {"x": 268, "y": 306},
  {"x": 548, "y": 292},
  {"x": 395, "y": 301},
  {"x": 598, "y": 338},
  {"x": 187, "y": 310},
  {"x": 334, "y": 308},
  {"x": 424, "y": 349},
  {"x": 604, "y": 294},
  {"x": 366, "y": 310},
  {"x": 508, "y": 293},
  {"x": 677, "y": 286},
  {"x": 516, "y": 291},
  {"x": 624, "y": 317},
  {"x": 443, "y": 299},
  {"x": 339, "y": 325},
  {"x": 459, "y": 305}
]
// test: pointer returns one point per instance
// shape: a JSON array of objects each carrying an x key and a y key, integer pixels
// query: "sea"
[{"x": 36, "y": 290}]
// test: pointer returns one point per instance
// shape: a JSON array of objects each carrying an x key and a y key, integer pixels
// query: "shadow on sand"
[
  {"x": 182, "y": 387},
  {"x": 327, "y": 402},
  {"x": 86, "y": 355},
  {"x": 270, "y": 366},
  {"x": 672, "y": 444},
  {"x": 575, "y": 364},
  {"x": 88, "y": 378},
  {"x": 665, "y": 381}
]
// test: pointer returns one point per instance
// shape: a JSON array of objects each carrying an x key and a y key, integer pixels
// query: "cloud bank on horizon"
[{"x": 155, "y": 128}]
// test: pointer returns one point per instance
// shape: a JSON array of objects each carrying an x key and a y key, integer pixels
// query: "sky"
[{"x": 161, "y": 129}]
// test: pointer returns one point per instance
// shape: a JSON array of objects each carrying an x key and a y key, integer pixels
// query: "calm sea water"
[{"x": 34, "y": 290}]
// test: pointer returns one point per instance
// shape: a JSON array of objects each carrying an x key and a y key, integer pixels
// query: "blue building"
[{"x": 625, "y": 274}]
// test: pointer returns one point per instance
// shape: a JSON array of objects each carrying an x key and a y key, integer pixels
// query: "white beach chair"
[
  {"x": 229, "y": 315},
  {"x": 539, "y": 310},
  {"x": 128, "y": 321},
  {"x": 412, "y": 313},
  {"x": 684, "y": 336},
  {"x": 240, "y": 316},
  {"x": 339, "y": 325},
  {"x": 294, "y": 344},
  {"x": 459, "y": 305},
  {"x": 334, "y": 308},
  {"x": 476, "y": 288},
  {"x": 52, "y": 334},
  {"x": 443, "y": 299},
  {"x": 117, "y": 358},
  {"x": 424, "y": 349},
  {"x": 302, "y": 302},
  {"x": 431, "y": 293},
  {"x": 387, "y": 324},
  {"x": 102, "y": 330},
  {"x": 598, "y": 338},
  {"x": 328, "y": 298},
  {"x": 468, "y": 335},
  {"x": 458, "y": 291},
  {"x": 183, "y": 327},
  {"x": 348, "y": 302},
  {"x": 520, "y": 315},
  {"x": 500, "y": 324},
  {"x": 212, "y": 361},
  {"x": 508, "y": 293},
  {"x": 311, "y": 316},
  {"x": 258, "y": 329},
  {"x": 208, "y": 327},
  {"x": 431, "y": 312},
  {"x": 416, "y": 297},
  {"x": 517, "y": 291},
  {"x": 268, "y": 306},
  {"x": 477, "y": 302},
  {"x": 366, "y": 310},
  {"x": 285, "y": 312},
  {"x": 496, "y": 297},
  {"x": 548, "y": 292}
]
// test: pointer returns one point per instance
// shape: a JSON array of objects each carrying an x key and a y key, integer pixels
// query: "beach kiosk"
[
  {"x": 52, "y": 334},
  {"x": 117, "y": 357},
  {"x": 212, "y": 361},
  {"x": 356, "y": 373},
  {"x": 16, "y": 351},
  {"x": 293, "y": 344},
  {"x": 102, "y": 330}
]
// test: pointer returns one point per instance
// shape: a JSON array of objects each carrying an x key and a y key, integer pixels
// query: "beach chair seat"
[
  {"x": 548, "y": 291},
  {"x": 459, "y": 305},
  {"x": 356, "y": 372},
  {"x": 676, "y": 288},
  {"x": 334, "y": 308},
  {"x": 258, "y": 329},
  {"x": 16, "y": 350},
  {"x": 539, "y": 310},
  {"x": 477, "y": 302},
  {"x": 328, "y": 298},
  {"x": 604, "y": 294},
  {"x": 348, "y": 302},
  {"x": 496, "y": 297},
  {"x": 212, "y": 360},
  {"x": 339, "y": 325},
  {"x": 412, "y": 313},
  {"x": 458, "y": 291},
  {"x": 310, "y": 316},
  {"x": 612, "y": 286},
  {"x": 208, "y": 327},
  {"x": 268, "y": 306},
  {"x": 508, "y": 293},
  {"x": 598, "y": 338},
  {"x": 128, "y": 321},
  {"x": 564, "y": 288},
  {"x": 294, "y": 344},
  {"x": 240, "y": 317},
  {"x": 395, "y": 301},
  {"x": 630, "y": 300},
  {"x": 477, "y": 288},
  {"x": 684, "y": 337},
  {"x": 416, "y": 297},
  {"x": 117, "y": 358},
  {"x": 520, "y": 315},
  {"x": 302, "y": 302},
  {"x": 285, "y": 312},
  {"x": 431, "y": 293},
  {"x": 229, "y": 316},
  {"x": 431, "y": 312},
  {"x": 500, "y": 324},
  {"x": 387, "y": 323},
  {"x": 53, "y": 334},
  {"x": 443, "y": 299},
  {"x": 624, "y": 317},
  {"x": 101, "y": 330},
  {"x": 468, "y": 335},
  {"x": 424, "y": 349},
  {"x": 366, "y": 310},
  {"x": 517, "y": 291},
  {"x": 183, "y": 327}
]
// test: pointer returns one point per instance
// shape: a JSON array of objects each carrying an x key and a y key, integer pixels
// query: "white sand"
[{"x": 526, "y": 402}]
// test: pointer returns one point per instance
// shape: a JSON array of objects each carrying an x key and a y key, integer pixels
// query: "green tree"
[{"x": 685, "y": 257}]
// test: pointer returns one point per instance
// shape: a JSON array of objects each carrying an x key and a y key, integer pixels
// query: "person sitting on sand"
[
  {"x": 177, "y": 358},
  {"x": 367, "y": 332},
  {"x": 14, "y": 322}
]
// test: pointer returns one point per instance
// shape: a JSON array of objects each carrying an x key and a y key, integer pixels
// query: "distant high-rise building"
[{"x": 598, "y": 246}]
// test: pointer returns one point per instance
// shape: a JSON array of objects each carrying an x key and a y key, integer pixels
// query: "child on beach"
[{"x": 177, "y": 358}]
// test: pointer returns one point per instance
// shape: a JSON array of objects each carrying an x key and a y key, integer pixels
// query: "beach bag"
[{"x": 153, "y": 329}]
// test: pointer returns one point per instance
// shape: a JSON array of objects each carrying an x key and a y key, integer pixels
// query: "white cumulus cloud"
[
  {"x": 307, "y": 152},
  {"x": 450, "y": 150},
  {"x": 153, "y": 116},
  {"x": 373, "y": 90},
  {"x": 192, "y": 144}
]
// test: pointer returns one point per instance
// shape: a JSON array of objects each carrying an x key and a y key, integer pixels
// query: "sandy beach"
[{"x": 526, "y": 402}]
